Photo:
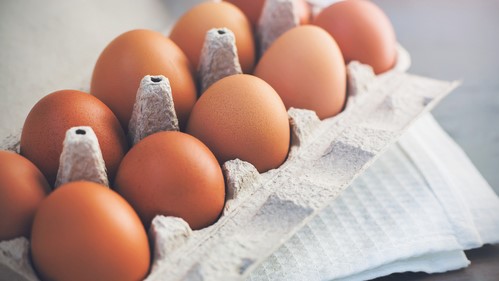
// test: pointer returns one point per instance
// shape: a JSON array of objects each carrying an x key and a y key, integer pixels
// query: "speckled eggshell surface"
[
  {"x": 46, "y": 125},
  {"x": 306, "y": 68},
  {"x": 172, "y": 174},
  {"x": 86, "y": 231},
  {"x": 241, "y": 116},
  {"x": 22, "y": 189},
  {"x": 130, "y": 57},
  {"x": 362, "y": 31},
  {"x": 190, "y": 31}
]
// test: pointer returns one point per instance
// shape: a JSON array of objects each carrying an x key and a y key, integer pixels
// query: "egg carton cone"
[
  {"x": 264, "y": 210},
  {"x": 81, "y": 158},
  {"x": 218, "y": 57},
  {"x": 278, "y": 16}
]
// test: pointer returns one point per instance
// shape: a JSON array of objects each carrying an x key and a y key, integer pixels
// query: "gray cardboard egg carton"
[{"x": 264, "y": 210}]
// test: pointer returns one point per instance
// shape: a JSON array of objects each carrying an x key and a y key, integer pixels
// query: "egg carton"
[{"x": 263, "y": 211}]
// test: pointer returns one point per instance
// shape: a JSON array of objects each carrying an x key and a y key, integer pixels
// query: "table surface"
[
  {"x": 458, "y": 39},
  {"x": 53, "y": 44}
]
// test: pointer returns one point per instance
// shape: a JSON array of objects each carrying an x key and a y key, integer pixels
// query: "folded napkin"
[
  {"x": 455, "y": 181},
  {"x": 415, "y": 209}
]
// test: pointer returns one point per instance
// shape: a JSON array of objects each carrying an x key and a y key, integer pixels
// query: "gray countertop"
[
  {"x": 51, "y": 45},
  {"x": 458, "y": 39}
]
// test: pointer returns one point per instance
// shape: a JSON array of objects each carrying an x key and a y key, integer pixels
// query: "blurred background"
[
  {"x": 53, "y": 44},
  {"x": 458, "y": 39}
]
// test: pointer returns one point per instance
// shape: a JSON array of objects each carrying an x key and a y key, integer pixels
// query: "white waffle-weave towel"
[{"x": 415, "y": 209}]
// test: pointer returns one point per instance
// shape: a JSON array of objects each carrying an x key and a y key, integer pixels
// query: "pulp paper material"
[
  {"x": 268, "y": 209},
  {"x": 15, "y": 264},
  {"x": 218, "y": 57},
  {"x": 388, "y": 214},
  {"x": 395, "y": 218},
  {"x": 404, "y": 228},
  {"x": 153, "y": 110},
  {"x": 263, "y": 211},
  {"x": 81, "y": 158},
  {"x": 277, "y": 17}
]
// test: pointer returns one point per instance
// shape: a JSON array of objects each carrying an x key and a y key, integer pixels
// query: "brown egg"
[
  {"x": 253, "y": 9},
  {"x": 86, "y": 231},
  {"x": 362, "y": 31},
  {"x": 131, "y": 56},
  {"x": 172, "y": 174},
  {"x": 46, "y": 125},
  {"x": 241, "y": 116},
  {"x": 306, "y": 68},
  {"x": 22, "y": 189},
  {"x": 190, "y": 31}
]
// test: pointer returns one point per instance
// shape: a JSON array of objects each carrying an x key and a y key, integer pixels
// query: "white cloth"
[
  {"x": 460, "y": 185},
  {"x": 415, "y": 209}
]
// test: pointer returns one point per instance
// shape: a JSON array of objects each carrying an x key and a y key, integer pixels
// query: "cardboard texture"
[{"x": 264, "y": 210}]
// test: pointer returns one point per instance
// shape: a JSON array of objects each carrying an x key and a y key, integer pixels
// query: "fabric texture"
[{"x": 415, "y": 209}]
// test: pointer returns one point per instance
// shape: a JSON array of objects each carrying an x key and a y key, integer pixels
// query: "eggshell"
[
  {"x": 22, "y": 189},
  {"x": 190, "y": 31},
  {"x": 130, "y": 57},
  {"x": 172, "y": 174},
  {"x": 86, "y": 231},
  {"x": 253, "y": 9},
  {"x": 46, "y": 125},
  {"x": 241, "y": 116},
  {"x": 306, "y": 68},
  {"x": 362, "y": 31}
]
